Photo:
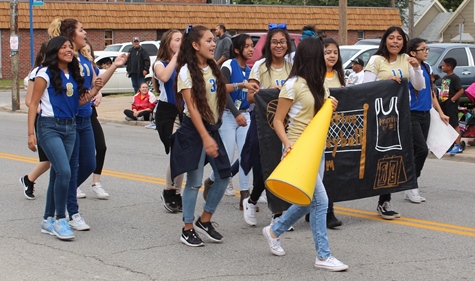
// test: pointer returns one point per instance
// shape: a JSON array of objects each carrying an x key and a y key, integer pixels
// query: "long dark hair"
[
  {"x": 239, "y": 42},
  {"x": 339, "y": 63},
  {"x": 413, "y": 45},
  {"x": 266, "y": 52},
  {"x": 383, "y": 50},
  {"x": 309, "y": 63},
  {"x": 187, "y": 55},
  {"x": 51, "y": 61},
  {"x": 40, "y": 56}
]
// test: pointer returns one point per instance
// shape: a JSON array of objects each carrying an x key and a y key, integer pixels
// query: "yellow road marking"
[{"x": 424, "y": 224}]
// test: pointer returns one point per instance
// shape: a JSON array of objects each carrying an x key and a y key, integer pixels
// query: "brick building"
[{"x": 115, "y": 22}]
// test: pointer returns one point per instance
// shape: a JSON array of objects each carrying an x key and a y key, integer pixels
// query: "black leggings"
[
  {"x": 100, "y": 142},
  {"x": 145, "y": 114}
]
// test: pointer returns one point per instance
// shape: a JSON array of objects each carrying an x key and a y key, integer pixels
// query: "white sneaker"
[
  {"x": 274, "y": 243},
  {"x": 100, "y": 193},
  {"x": 80, "y": 194},
  {"x": 249, "y": 212},
  {"x": 274, "y": 220},
  {"x": 77, "y": 223},
  {"x": 331, "y": 263},
  {"x": 230, "y": 190},
  {"x": 413, "y": 196},
  {"x": 151, "y": 126},
  {"x": 262, "y": 198}
]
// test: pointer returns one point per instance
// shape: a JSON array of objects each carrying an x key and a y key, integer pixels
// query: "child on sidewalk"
[{"x": 451, "y": 91}]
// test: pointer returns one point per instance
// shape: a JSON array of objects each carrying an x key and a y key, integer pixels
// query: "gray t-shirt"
[{"x": 223, "y": 44}]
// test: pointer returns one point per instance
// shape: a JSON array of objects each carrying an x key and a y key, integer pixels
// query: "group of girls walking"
[
  {"x": 65, "y": 89},
  {"x": 203, "y": 112},
  {"x": 215, "y": 104}
]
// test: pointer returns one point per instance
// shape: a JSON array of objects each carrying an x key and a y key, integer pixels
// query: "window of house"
[
  {"x": 108, "y": 37},
  {"x": 360, "y": 35}
]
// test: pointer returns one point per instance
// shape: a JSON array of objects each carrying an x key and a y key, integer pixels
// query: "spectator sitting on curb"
[{"x": 143, "y": 105}]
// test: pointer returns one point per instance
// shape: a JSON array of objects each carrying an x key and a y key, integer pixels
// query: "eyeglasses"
[
  {"x": 276, "y": 43},
  {"x": 425, "y": 50}
]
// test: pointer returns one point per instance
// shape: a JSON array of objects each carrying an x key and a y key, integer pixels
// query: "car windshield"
[
  {"x": 434, "y": 55},
  {"x": 347, "y": 54},
  {"x": 113, "y": 48}
]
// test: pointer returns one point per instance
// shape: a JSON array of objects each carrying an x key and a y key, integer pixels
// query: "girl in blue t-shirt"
[
  {"x": 83, "y": 161},
  {"x": 421, "y": 103},
  {"x": 167, "y": 117},
  {"x": 58, "y": 89}
]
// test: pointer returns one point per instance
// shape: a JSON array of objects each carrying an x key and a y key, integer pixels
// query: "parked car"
[
  {"x": 465, "y": 56},
  {"x": 350, "y": 52},
  {"x": 119, "y": 82},
  {"x": 374, "y": 41},
  {"x": 259, "y": 39},
  {"x": 150, "y": 46}
]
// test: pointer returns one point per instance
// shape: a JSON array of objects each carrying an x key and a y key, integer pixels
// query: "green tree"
[{"x": 451, "y": 4}]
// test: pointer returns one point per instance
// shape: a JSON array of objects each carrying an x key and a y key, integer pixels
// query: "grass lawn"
[{"x": 5, "y": 84}]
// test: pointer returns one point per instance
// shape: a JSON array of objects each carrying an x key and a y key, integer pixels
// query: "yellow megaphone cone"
[{"x": 293, "y": 180}]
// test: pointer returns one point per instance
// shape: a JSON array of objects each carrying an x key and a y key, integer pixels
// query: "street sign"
[{"x": 38, "y": 2}]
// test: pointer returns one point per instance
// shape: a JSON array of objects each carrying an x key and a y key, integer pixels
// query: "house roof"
[
  {"x": 433, "y": 31},
  {"x": 109, "y": 15},
  {"x": 421, "y": 7},
  {"x": 466, "y": 38},
  {"x": 454, "y": 15}
]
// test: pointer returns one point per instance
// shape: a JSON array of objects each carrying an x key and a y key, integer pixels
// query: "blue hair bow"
[
  {"x": 307, "y": 33},
  {"x": 278, "y": 25},
  {"x": 188, "y": 28}
]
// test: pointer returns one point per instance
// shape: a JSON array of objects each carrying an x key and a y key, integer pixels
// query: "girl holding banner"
[
  {"x": 390, "y": 62},
  {"x": 301, "y": 97},
  {"x": 421, "y": 103}
]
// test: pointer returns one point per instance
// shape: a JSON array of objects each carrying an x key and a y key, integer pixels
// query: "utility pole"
[
  {"x": 410, "y": 20},
  {"x": 343, "y": 28},
  {"x": 14, "y": 54}
]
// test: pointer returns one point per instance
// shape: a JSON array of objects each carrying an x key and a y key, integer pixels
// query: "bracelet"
[{"x": 235, "y": 86}]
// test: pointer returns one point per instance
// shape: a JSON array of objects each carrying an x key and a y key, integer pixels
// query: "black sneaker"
[
  {"x": 169, "y": 200},
  {"x": 207, "y": 186},
  {"x": 207, "y": 229},
  {"x": 332, "y": 221},
  {"x": 179, "y": 202},
  {"x": 28, "y": 188},
  {"x": 190, "y": 238},
  {"x": 386, "y": 212}
]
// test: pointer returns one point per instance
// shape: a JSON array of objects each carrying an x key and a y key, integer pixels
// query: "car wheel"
[{"x": 150, "y": 85}]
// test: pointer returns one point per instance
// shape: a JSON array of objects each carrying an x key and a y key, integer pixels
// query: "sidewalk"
[{"x": 111, "y": 110}]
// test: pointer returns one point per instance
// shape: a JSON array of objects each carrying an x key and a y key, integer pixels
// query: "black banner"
[{"x": 369, "y": 144}]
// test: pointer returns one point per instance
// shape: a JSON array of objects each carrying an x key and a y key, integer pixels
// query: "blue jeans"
[
  {"x": 83, "y": 161},
  {"x": 318, "y": 216},
  {"x": 57, "y": 136},
  {"x": 192, "y": 186},
  {"x": 137, "y": 79},
  {"x": 231, "y": 134}
]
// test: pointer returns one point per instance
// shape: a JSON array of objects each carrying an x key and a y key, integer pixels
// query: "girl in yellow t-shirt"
[
  {"x": 201, "y": 84},
  {"x": 391, "y": 62},
  {"x": 301, "y": 98},
  {"x": 270, "y": 71}
]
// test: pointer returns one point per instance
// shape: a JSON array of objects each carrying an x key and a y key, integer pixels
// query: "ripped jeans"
[{"x": 193, "y": 183}]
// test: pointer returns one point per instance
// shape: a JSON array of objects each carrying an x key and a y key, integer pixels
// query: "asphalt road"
[{"x": 132, "y": 237}]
